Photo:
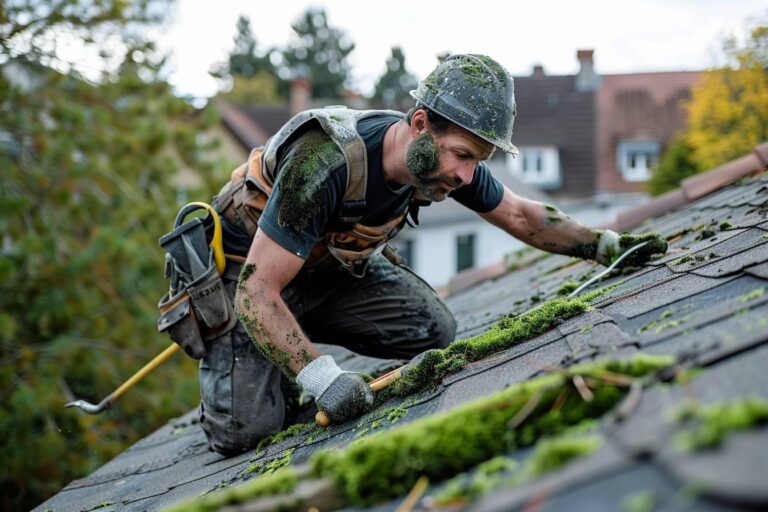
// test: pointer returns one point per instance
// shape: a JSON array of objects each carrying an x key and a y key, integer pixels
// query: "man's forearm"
[
  {"x": 271, "y": 325},
  {"x": 549, "y": 229}
]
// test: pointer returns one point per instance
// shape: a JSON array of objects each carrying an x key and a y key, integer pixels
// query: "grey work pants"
[{"x": 388, "y": 313}]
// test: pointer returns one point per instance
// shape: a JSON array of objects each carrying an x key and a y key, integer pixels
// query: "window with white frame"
[
  {"x": 635, "y": 159},
  {"x": 537, "y": 165}
]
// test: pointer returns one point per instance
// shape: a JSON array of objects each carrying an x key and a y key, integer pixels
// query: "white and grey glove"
[
  {"x": 611, "y": 245},
  {"x": 607, "y": 247},
  {"x": 342, "y": 395}
]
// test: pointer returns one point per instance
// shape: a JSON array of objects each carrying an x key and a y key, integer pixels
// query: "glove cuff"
[
  {"x": 318, "y": 375},
  {"x": 607, "y": 246}
]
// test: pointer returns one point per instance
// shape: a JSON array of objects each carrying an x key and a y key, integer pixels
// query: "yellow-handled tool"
[
  {"x": 377, "y": 384},
  {"x": 109, "y": 400},
  {"x": 219, "y": 258}
]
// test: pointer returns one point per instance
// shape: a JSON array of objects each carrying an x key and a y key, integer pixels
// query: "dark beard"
[{"x": 423, "y": 162}]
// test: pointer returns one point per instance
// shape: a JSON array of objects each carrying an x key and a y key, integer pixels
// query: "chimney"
[
  {"x": 354, "y": 99},
  {"x": 538, "y": 71},
  {"x": 300, "y": 95},
  {"x": 587, "y": 79}
]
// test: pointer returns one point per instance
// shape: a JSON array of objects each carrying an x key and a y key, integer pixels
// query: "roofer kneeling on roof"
[{"x": 312, "y": 213}]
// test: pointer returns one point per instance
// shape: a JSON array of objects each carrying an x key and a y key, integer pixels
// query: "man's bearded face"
[{"x": 423, "y": 161}]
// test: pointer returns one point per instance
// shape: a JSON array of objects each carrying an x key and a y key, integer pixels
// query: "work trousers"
[{"x": 388, "y": 313}]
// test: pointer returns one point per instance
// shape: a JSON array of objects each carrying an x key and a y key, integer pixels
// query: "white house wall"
[{"x": 434, "y": 248}]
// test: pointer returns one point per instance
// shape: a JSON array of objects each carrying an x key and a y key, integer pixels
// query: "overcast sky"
[{"x": 627, "y": 35}]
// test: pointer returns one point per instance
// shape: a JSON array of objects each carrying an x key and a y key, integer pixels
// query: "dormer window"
[
  {"x": 537, "y": 165},
  {"x": 636, "y": 159}
]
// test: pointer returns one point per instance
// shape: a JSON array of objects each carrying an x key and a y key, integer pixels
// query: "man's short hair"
[{"x": 438, "y": 123}]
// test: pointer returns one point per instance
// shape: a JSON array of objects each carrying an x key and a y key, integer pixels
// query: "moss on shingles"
[
  {"x": 658, "y": 326},
  {"x": 504, "y": 334},
  {"x": 641, "y": 501},
  {"x": 487, "y": 476},
  {"x": 548, "y": 455},
  {"x": 388, "y": 464},
  {"x": 282, "y": 481},
  {"x": 712, "y": 423},
  {"x": 442, "y": 445},
  {"x": 293, "y": 430},
  {"x": 754, "y": 294},
  {"x": 553, "y": 453},
  {"x": 567, "y": 287},
  {"x": 271, "y": 466}
]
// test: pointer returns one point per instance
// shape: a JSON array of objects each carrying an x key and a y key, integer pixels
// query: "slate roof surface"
[{"x": 704, "y": 302}]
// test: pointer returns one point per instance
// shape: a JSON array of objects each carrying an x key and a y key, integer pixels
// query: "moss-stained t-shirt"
[{"x": 306, "y": 200}]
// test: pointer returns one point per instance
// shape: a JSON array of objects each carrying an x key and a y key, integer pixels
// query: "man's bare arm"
[
  {"x": 543, "y": 226},
  {"x": 547, "y": 228},
  {"x": 262, "y": 311}
]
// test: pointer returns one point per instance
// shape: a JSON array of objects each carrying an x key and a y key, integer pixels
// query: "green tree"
[
  {"x": 728, "y": 113},
  {"x": 394, "y": 85},
  {"x": 254, "y": 79},
  {"x": 85, "y": 193},
  {"x": 675, "y": 165},
  {"x": 318, "y": 52}
]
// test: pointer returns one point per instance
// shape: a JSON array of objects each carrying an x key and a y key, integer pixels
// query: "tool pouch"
[
  {"x": 197, "y": 307},
  {"x": 178, "y": 319},
  {"x": 200, "y": 312}
]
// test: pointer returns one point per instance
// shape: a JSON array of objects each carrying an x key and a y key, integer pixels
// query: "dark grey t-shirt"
[{"x": 383, "y": 200}]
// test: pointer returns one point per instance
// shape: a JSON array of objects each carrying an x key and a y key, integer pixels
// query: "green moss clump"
[
  {"x": 726, "y": 225},
  {"x": 754, "y": 294},
  {"x": 271, "y": 466},
  {"x": 567, "y": 287},
  {"x": 551, "y": 454},
  {"x": 488, "y": 134},
  {"x": 641, "y": 501},
  {"x": 706, "y": 233},
  {"x": 281, "y": 481},
  {"x": 489, "y": 475},
  {"x": 712, "y": 423},
  {"x": 658, "y": 326},
  {"x": 303, "y": 174},
  {"x": 293, "y": 430},
  {"x": 439, "y": 446},
  {"x": 504, "y": 334}
]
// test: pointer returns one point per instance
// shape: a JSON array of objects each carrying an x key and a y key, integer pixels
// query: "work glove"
[
  {"x": 612, "y": 245},
  {"x": 342, "y": 395}
]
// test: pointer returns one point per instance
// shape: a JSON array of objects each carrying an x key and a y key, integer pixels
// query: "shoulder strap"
[{"x": 340, "y": 123}]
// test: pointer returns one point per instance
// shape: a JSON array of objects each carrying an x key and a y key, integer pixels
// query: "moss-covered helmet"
[{"x": 474, "y": 92}]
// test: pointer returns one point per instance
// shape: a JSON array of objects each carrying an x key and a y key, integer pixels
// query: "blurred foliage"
[
  {"x": 86, "y": 191},
  {"x": 254, "y": 78},
  {"x": 728, "y": 113},
  {"x": 675, "y": 165},
  {"x": 260, "y": 89},
  {"x": 393, "y": 87},
  {"x": 318, "y": 52}
]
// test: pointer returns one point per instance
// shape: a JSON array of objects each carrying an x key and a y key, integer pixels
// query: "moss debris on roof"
[
  {"x": 440, "y": 446},
  {"x": 710, "y": 424}
]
